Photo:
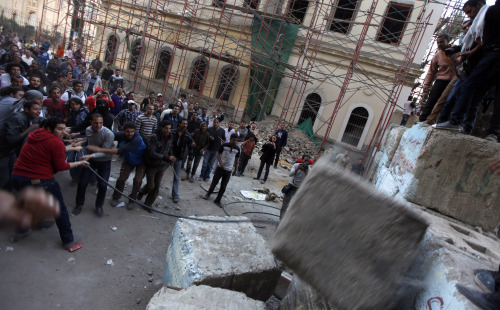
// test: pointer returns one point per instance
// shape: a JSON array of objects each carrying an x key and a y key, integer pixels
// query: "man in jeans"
[
  {"x": 217, "y": 137},
  {"x": 158, "y": 156},
  {"x": 131, "y": 147},
  {"x": 227, "y": 161},
  {"x": 181, "y": 144},
  {"x": 101, "y": 137}
]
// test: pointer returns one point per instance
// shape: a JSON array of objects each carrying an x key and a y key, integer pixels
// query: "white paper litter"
[
  {"x": 9, "y": 248},
  {"x": 253, "y": 195},
  {"x": 114, "y": 228},
  {"x": 71, "y": 259},
  {"x": 110, "y": 262},
  {"x": 121, "y": 204}
]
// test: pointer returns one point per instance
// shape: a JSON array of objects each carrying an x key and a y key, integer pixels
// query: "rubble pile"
[{"x": 298, "y": 143}]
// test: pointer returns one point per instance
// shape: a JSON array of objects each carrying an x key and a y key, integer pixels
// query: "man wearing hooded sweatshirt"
[
  {"x": 99, "y": 93},
  {"x": 76, "y": 91},
  {"x": 103, "y": 109},
  {"x": 41, "y": 157}
]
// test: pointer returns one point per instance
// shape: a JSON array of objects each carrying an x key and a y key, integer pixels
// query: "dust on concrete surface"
[{"x": 37, "y": 273}]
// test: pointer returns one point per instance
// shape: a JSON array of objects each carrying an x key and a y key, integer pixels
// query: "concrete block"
[
  {"x": 388, "y": 147},
  {"x": 226, "y": 255},
  {"x": 447, "y": 171},
  {"x": 302, "y": 296},
  {"x": 347, "y": 240},
  {"x": 448, "y": 255},
  {"x": 202, "y": 297}
]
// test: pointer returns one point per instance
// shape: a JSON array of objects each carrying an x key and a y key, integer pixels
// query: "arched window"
[
  {"x": 227, "y": 81},
  {"x": 311, "y": 107},
  {"x": 297, "y": 10},
  {"x": 163, "y": 64},
  {"x": 32, "y": 19},
  {"x": 198, "y": 72},
  {"x": 134, "y": 55},
  {"x": 355, "y": 126},
  {"x": 111, "y": 47},
  {"x": 254, "y": 4}
]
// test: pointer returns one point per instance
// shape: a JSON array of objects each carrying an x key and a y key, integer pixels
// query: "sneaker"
[
  {"x": 130, "y": 205},
  {"x": 176, "y": 200},
  {"x": 482, "y": 300},
  {"x": 139, "y": 196},
  {"x": 99, "y": 212},
  {"x": 485, "y": 279},
  {"x": 76, "y": 211},
  {"x": 191, "y": 179},
  {"x": 73, "y": 245},
  {"x": 491, "y": 137},
  {"x": 114, "y": 202},
  {"x": 205, "y": 196},
  {"x": 218, "y": 203},
  {"x": 447, "y": 126}
]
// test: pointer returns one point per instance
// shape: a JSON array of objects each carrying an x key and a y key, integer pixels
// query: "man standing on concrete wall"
[{"x": 442, "y": 69}]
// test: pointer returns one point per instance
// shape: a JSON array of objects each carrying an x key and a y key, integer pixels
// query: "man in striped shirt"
[{"x": 146, "y": 123}]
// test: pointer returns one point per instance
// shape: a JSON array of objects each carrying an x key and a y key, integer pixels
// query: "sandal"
[{"x": 73, "y": 247}]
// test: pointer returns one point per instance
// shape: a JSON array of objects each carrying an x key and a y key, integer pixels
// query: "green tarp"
[
  {"x": 307, "y": 127},
  {"x": 264, "y": 57}
]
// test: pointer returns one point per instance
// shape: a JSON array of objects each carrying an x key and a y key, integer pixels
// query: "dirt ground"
[{"x": 116, "y": 268}]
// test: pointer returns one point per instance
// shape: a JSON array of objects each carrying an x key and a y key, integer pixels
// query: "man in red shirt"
[
  {"x": 42, "y": 156},
  {"x": 55, "y": 105}
]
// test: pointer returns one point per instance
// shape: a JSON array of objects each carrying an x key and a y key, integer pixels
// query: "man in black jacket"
[
  {"x": 181, "y": 142},
  {"x": 13, "y": 134},
  {"x": 158, "y": 155}
]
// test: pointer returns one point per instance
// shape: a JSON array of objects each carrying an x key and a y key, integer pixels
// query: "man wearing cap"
[
  {"x": 160, "y": 101},
  {"x": 127, "y": 116}
]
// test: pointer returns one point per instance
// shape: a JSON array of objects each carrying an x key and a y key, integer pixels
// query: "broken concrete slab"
[
  {"x": 349, "y": 241},
  {"x": 448, "y": 255},
  {"x": 302, "y": 296},
  {"x": 202, "y": 297},
  {"x": 445, "y": 171},
  {"x": 282, "y": 285},
  {"x": 225, "y": 254}
]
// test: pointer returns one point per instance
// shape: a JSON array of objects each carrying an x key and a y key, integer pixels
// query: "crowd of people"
[{"x": 463, "y": 76}]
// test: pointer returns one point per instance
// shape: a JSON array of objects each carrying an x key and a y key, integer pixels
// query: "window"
[
  {"x": 254, "y": 4},
  {"x": 32, "y": 19},
  {"x": 198, "y": 73},
  {"x": 297, "y": 9},
  {"x": 134, "y": 55},
  {"x": 311, "y": 108},
  {"x": 394, "y": 23},
  {"x": 227, "y": 81},
  {"x": 219, "y": 3},
  {"x": 163, "y": 65},
  {"x": 111, "y": 46},
  {"x": 344, "y": 10},
  {"x": 355, "y": 126}
]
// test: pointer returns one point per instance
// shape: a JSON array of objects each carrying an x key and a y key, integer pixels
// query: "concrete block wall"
[
  {"x": 227, "y": 255},
  {"x": 442, "y": 170}
]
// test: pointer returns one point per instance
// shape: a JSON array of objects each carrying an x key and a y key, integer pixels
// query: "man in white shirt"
[
  {"x": 12, "y": 69},
  {"x": 407, "y": 110},
  {"x": 27, "y": 58}
]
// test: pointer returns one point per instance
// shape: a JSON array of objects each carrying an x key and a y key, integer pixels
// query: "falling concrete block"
[
  {"x": 302, "y": 296},
  {"x": 349, "y": 241},
  {"x": 202, "y": 297},
  {"x": 221, "y": 254}
]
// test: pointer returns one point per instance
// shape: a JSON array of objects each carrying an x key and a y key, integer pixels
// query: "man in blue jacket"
[{"x": 131, "y": 147}]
